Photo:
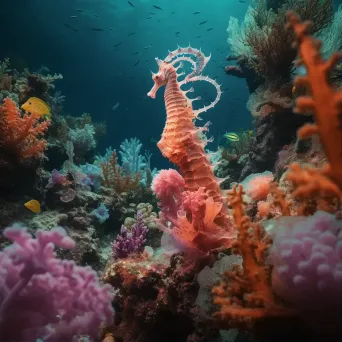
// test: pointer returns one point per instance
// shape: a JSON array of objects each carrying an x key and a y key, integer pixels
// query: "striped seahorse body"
[{"x": 180, "y": 141}]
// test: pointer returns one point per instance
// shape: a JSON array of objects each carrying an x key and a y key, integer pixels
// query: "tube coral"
[{"x": 21, "y": 133}]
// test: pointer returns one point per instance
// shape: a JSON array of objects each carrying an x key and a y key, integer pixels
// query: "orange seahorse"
[{"x": 180, "y": 141}]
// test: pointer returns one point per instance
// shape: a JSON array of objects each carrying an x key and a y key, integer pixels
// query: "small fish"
[
  {"x": 130, "y": 4},
  {"x": 131, "y": 34},
  {"x": 73, "y": 16},
  {"x": 250, "y": 133},
  {"x": 149, "y": 18},
  {"x": 33, "y": 205},
  {"x": 70, "y": 27},
  {"x": 135, "y": 53},
  {"x": 111, "y": 29},
  {"x": 97, "y": 29},
  {"x": 147, "y": 47},
  {"x": 142, "y": 97},
  {"x": 173, "y": 12},
  {"x": 196, "y": 13},
  {"x": 224, "y": 89},
  {"x": 79, "y": 10},
  {"x": 36, "y": 107},
  {"x": 116, "y": 106},
  {"x": 198, "y": 36},
  {"x": 178, "y": 32},
  {"x": 203, "y": 22},
  {"x": 96, "y": 15},
  {"x": 117, "y": 44},
  {"x": 209, "y": 29},
  {"x": 232, "y": 136},
  {"x": 136, "y": 63},
  {"x": 157, "y": 7},
  {"x": 243, "y": 2},
  {"x": 153, "y": 13}
]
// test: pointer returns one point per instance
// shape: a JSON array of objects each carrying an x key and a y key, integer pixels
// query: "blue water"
[{"x": 97, "y": 74}]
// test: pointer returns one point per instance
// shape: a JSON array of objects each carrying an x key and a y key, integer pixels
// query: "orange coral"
[
  {"x": 114, "y": 177},
  {"x": 21, "y": 132},
  {"x": 245, "y": 295},
  {"x": 324, "y": 102}
]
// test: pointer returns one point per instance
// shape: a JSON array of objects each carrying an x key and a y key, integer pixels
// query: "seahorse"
[{"x": 180, "y": 141}]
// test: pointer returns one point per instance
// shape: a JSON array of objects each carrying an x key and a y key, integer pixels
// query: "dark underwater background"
[{"x": 97, "y": 74}]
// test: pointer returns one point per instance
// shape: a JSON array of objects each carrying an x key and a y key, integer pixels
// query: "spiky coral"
[
  {"x": 115, "y": 178},
  {"x": 246, "y": 294},
  {"x": 325, "y": 103},
  {"x": 180, "y": 141},
  {"x": 21, "y": 133},
  {"x": 271, "y": 44}
]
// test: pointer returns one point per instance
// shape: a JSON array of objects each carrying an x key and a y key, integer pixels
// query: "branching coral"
[
  {"x": 306, "y": 250},
  {"x": 114, "y": 177},
  {"x": 130, "y": 241},
  {"x": 272, "y": 53},
  {"x": 21, "y": 133},
  {"x": 324, "y": 102},
  {"x": 45, "y": 298},
  {"x": 246, "y": 294}
]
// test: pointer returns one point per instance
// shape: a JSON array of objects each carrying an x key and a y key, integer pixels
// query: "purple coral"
[
  {"x": 130, "y": 240},
  {"x": 307, "y": 262},
  {"x": 43, "y": 297}
]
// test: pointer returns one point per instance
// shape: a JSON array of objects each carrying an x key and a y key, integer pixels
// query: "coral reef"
[
  {"x": 156, "y": 300},
  {"x": 261, "y": 261},
  {"x": 44, "y": 297}
]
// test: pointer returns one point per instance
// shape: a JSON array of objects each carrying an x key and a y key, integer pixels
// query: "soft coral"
[
  {"x": 191, "y": 214},
  {"x": 21, "y": 133}
]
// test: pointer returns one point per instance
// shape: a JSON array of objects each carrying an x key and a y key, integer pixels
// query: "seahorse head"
[{"x": 161, "y": 77}]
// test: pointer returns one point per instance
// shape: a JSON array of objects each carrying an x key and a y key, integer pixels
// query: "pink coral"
[
  {"x": 192, "y": 214},
  {"x": 257, "y": 186},
  {"x": 307, "y": 264},
  {"x": 263, "y": 208},
  {"x": 43, "y": 297},
  {"x": 168, "y": 186}
]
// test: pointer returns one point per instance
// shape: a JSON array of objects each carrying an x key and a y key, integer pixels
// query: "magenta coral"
[{"x": 43, "y": 297}]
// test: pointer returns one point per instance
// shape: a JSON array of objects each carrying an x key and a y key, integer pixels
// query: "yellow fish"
[
  {"x": 36, "y": 107},
  {"x": 33, "y": 205},
  {"x": 250, "y": 133},
  {"x": 232, "y": 136}
]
